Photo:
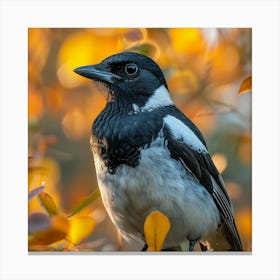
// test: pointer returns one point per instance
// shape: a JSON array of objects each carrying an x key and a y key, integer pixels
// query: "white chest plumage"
[{"x": 157, "y": 183}]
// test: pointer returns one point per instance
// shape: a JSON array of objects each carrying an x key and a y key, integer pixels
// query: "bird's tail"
[{"x": 224, "y": 239}]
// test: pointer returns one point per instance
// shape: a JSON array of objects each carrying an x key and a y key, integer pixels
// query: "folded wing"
[{"x": 185, "y": 146}]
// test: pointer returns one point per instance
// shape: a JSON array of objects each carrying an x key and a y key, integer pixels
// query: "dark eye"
[{"x": 131, "y": 69}]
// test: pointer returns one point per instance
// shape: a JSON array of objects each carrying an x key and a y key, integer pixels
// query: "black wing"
[{"x": 198, "y": 161}]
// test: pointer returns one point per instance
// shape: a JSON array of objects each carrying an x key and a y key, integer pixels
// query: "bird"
[{"x": 148, "y": 156}]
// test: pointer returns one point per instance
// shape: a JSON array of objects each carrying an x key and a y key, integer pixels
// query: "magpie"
[{"x": 149, "y": 156}]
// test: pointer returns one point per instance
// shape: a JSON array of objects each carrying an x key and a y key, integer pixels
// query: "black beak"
[{"x": 97, "y": 73}]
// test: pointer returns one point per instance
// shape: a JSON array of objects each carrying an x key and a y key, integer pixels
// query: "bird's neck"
[
  {"x": 116, "y": 123},
  {"x": 119, "y": 135}
]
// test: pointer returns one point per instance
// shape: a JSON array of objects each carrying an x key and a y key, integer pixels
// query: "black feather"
[{"x": 203, "y": 169}]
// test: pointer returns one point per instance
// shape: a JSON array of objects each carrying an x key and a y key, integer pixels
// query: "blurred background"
[{"x": 208, "y": 72}]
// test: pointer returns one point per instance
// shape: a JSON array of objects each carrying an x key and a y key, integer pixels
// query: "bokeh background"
[{"x": 208, "y": 71}]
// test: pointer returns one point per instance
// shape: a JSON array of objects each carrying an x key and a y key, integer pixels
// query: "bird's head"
[{"x": 133, "y": 80}]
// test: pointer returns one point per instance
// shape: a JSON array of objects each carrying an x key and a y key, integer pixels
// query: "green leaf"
[{"x": 91, "y": 198}]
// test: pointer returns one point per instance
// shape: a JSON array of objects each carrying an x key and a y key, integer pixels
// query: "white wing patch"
[
  {"x": 160, "y": 98},
  {"x": 135, "y": 108},
  {"x": 181, "y": 132}
]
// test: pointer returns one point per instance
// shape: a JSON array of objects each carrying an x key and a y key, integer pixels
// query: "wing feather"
[{"x": 199, "y": 163}]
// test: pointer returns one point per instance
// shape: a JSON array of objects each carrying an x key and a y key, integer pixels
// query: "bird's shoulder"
[
  {"x": 119, "y": 134},
  {"x": 112, "y": 123}
]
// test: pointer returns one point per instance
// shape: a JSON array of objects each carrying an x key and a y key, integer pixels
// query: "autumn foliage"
[{"x": 208, "y": 72}]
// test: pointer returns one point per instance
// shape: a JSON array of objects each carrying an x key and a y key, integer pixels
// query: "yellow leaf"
[
  {"x": 47, "y": 170},
  {"x": 48, "y": 203},
  {"x": 246, "y": 86},
  {"x": 80, "y": 228},
  {"x": 220, "y": 161},
  {"x": 156, "y": 227}
]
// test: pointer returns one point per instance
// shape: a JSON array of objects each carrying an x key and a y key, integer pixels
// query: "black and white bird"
[{"x": 149, "y": 156}]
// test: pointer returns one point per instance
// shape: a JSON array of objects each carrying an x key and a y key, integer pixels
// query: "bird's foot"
[{"x": 191, "y": 246}]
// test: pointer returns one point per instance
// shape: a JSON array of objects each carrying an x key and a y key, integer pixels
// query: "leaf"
[
  {"x": 80, "y": 228},
  {"x": 35, "y": 192},
  {"x": 156, "y": 227},
  {"x": 57, "y": 230},
  {"x": 38, "y": 221},
  {"x": 220, "y": 161},
  {"x": 246, "y": 86},
  {"x": 91, "y": 198},
  {"x": 48, "y": 203}
]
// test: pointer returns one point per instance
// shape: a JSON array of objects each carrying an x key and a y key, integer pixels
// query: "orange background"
[{"x": 204, "y": 69}]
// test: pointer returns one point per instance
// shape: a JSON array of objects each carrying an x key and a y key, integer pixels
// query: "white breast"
[{"x": 156, "y": 183}]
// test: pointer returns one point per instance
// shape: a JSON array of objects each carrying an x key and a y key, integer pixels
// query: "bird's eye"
[{"x": 131, "y": 69}]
